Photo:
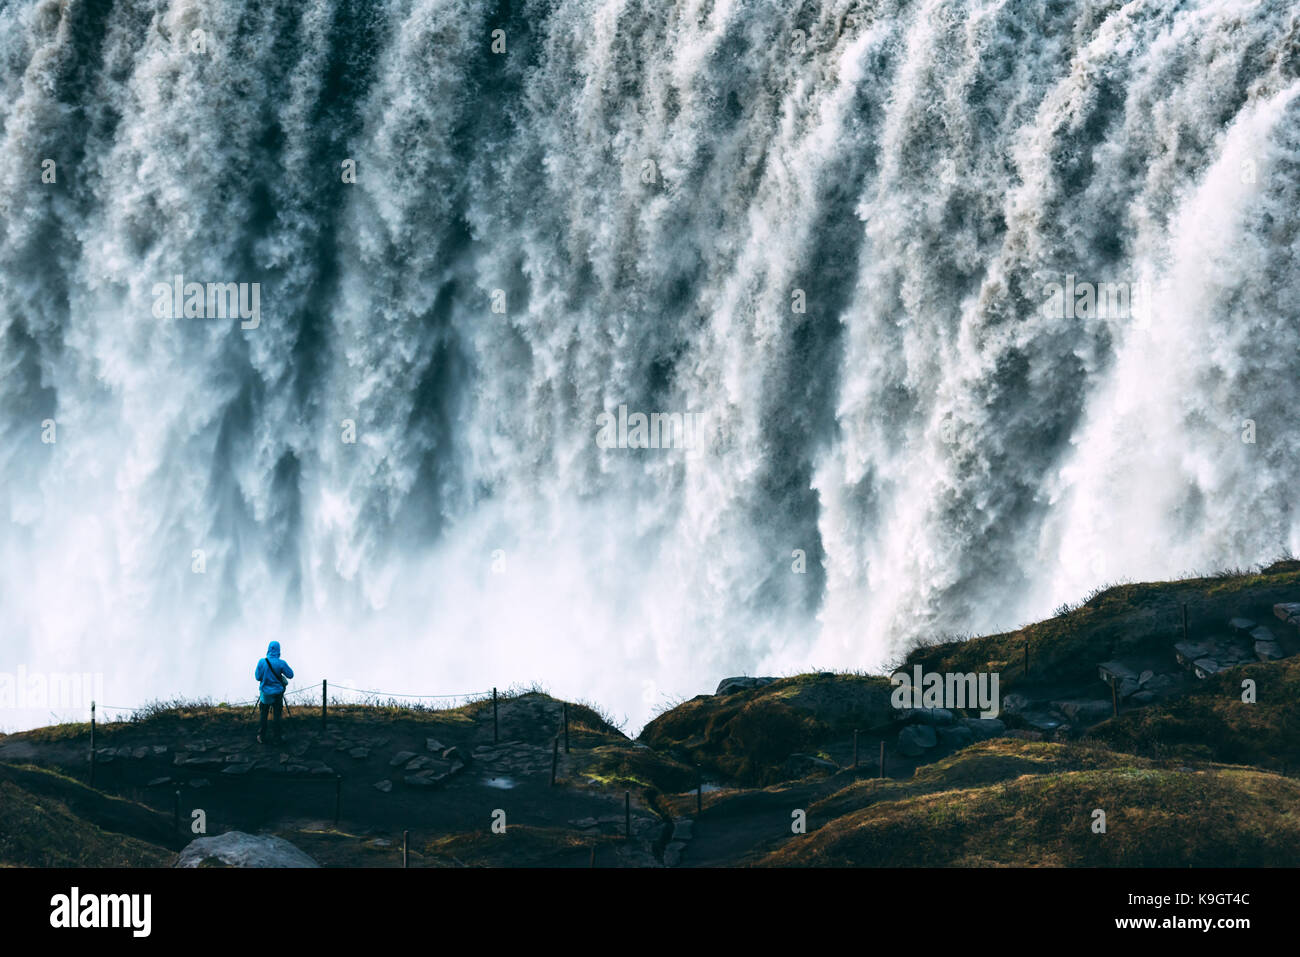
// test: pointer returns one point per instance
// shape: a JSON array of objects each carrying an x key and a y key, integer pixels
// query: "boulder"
[
  {"x": 1288, "y": 612},
  {"x": 1268, "y": 650},
  {"x": 1085, "y": 712},
  {"x": 956, "y": 737},
  {"x": 1188, "y": 651},
  {"x": 400, "y": 758},
  {"x": 237, "y": 849},
  {"x": 741, "y": 683},
  {"x": 931, "y": 716},
  {"x": 1205, "y": 667},
  {"x": 384, "y": 786},
  {"x": 1241, "y": 625},
  {"x": 682, "y": 828},
  {"x": 1014, "y": 702},
  {"x": 1113, "y": 671},
  {"x": 916, "y": 738},
  {"x": 985, "y": 728},
  {"x": 434, "y": 746},
  {"x": 673, "y": 853},
  {"x": 454, "y": 755}
]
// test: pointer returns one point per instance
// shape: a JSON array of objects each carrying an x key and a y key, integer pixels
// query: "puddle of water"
[
  {"x": 505, "y": 784},
  {"x": 707, "y": 787}
]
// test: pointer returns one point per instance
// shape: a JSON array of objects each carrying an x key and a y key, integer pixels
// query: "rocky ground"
[{"x": 1133, "y": 703}]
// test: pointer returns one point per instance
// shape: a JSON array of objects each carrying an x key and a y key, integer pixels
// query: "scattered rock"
[
  {"x": 673, "y": 854},
  {"x": 400, "y": 758},
  {"x": 434, "y": 745},
  {"x": 419, "y": 763},
  {"x": 930, "y": 716},
  {"x": 425, "y": 779},
  {"x": 359, "y": 753},
  {"x": 243, "y": 767},
  {"x": 1241, "y": 625},
  {"x": 155, "y": 782},
  {"x": 237, "y": 849},
  {"x": 1288, "y": 612},
  {"x": 1144, "y": 697},
  {"x": 454, "y": 754},
  {"x": 682, "y": 829},
  {"x": 384, "y": 786}
]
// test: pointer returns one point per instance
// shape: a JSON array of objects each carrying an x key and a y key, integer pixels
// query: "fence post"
[
  {"x": 92, "y": 744},
  {"x": 176, "y": 811},
  {"x": 882, "y": 759},
  {"x": 555, "y": 757},
  {"x": 699, "y": 790},
  {"x": 566, "y": 727},
  {"x": 324, "y": 701},
  {"x": 405, "y": 835},
  {"x": 1114, "y": 698},
  {"x": 338, "y": 795},
  {"x": 494, "y": 716},
  {"x": 855, "y": 747},
  {"x": 1184, "y": 621}
]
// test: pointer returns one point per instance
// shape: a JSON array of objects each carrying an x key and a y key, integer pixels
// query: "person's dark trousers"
[{"x": 276, "y": 703}]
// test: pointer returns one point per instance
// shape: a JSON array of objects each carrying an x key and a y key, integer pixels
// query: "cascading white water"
[{"x": 829, "y": 229}]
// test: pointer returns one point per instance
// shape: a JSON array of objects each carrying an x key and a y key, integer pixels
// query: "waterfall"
[{"x": 971, "y": 307}]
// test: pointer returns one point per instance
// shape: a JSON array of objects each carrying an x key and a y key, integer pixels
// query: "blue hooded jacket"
[{"x": 274, "y": 679}]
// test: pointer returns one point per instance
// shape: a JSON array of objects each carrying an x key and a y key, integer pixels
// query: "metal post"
[
  {"x": 176, "y": 812},
  {"x": 92, "y": 744},
  {"x": 1114, "y": 698},
  {"x": 566, "y": 727},
  {"x": 1184, "y": 621},
  {"x": 699, "y": 790},
  {"x": 405, "y": 836},
  {"x": 338, "y": 796},
  {"x": 324, "y": 701},
  {"x": 882, "y": 759},
  {"x": 555, "y": 757},
  {"x": 495, "y": 728}
]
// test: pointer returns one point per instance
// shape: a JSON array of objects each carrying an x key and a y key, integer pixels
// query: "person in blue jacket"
[{"x": 272, "y": 674}]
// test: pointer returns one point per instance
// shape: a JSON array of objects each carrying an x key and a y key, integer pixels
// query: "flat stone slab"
[
  {"x": 400, "y": 758},
  {"x": 384, "y": 786}
]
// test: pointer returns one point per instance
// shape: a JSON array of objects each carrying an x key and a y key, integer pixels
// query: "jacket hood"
[{"x": 273, "y": 650}]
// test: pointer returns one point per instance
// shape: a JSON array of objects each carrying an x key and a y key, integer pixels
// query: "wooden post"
[
  {"x": 566, "y": 727},
  {"x": 92, "y": 744},
  {"x": 855, "y": 747},
  {"x": 882, "y": 759},
  {"x": 555, "y": 757},
  {"x": 338, "y": 796},
  {"x": 593, "y": 855},
  {"x": 1114, "y": 698},
  {"x": 324, "y": 701},
  {"x": 405, "y": 836},
  {"x": 627, "y": 815},
  {"x": 494, "y": 716},
  {"x": 1184, "y": 621}
]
